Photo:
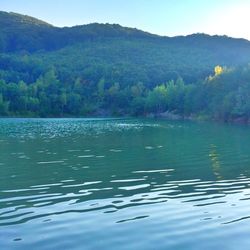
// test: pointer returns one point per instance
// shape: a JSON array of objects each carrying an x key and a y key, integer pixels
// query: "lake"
[{"x": 124, "y": 184}]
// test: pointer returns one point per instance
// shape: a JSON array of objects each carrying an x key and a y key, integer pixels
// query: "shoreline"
[{"x": 168, "y": 116}]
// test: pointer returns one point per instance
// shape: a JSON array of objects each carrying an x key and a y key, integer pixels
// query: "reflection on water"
[
  {"x": 215, "y": 159},
  {"x": 123, "y": 184}
]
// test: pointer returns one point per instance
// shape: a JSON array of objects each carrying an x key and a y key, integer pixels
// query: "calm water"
[{"x": 123, "y": 184}]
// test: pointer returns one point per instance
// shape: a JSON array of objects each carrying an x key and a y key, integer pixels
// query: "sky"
[{"x": 162, "y": 17}]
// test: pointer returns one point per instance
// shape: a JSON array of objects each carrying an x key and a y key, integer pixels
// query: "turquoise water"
[{"x": 123, "y": 184}]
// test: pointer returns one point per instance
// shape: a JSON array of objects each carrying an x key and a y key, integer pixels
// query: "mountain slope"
[
  {"x": 21, "y": 32},
  {"x": 117, "y": 53},
  {"x": 49, "y": 71}
]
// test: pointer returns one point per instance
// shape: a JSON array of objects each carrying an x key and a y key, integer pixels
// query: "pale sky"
[{"x": 163, "y": 17}]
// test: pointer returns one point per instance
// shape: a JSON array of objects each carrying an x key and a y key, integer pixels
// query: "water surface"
[{"x": 123, "y": 184}]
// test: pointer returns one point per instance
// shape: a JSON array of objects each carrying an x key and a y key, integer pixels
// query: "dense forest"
[{"x": 104, "y": 69}]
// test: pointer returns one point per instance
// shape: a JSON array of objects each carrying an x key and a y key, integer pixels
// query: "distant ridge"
[
  {"x": 16, "y": 17},
  {"x": 22, "y": 32},
  {"x": 112, "y": 46}
]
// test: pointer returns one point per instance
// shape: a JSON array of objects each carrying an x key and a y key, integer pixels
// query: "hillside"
[
  {"x": 100, "y": 66},
  {"x": 21, "y": 32},
  {"x": 112, "y": 48}
]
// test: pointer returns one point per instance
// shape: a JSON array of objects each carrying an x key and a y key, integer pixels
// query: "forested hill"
[
  {"x": 117, "y": 50},
  {"x": 97, "y": 68},
  {"x": 20, "y": 32}
]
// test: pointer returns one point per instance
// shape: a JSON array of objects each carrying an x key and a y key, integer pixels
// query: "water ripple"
[{"x": 135, "y": 184}]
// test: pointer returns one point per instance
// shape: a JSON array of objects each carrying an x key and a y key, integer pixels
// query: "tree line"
[{"x": 225, "y": 95}]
